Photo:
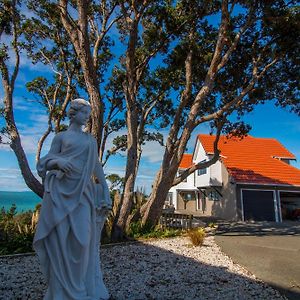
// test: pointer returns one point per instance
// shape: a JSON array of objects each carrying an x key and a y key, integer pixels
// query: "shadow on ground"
[
  {"x": 269, "y": 250},
  {"x": 143, "y": 271},
  {"x": 166, "y": 269},
  {"x": 259, "y": 228}
]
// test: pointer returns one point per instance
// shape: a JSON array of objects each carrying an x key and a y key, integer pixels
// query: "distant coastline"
[{"x": 26, "y": 200}]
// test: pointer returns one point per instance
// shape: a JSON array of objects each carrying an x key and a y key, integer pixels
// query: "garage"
[
  {"x": 258, "y": 205},
  {"x": 290, "y": 205}
]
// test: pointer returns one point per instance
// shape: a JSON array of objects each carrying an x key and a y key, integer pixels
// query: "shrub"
[
  {"x": 17, "y": 230},
  {"x": 197, "y": 236},
  {"x": 212, "y": 225},
  {"x": 137, "y": 231}
]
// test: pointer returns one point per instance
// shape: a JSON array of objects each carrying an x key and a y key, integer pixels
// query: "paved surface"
[{"x": 270, "y": 251}]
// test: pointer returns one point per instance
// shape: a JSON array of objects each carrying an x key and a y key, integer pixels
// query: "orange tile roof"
[
  {"x": 254, "y": 160},
  {"x": 186, "y": 161}
]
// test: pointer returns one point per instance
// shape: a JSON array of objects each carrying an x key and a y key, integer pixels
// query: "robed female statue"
[{"x": 75, "y": 205}]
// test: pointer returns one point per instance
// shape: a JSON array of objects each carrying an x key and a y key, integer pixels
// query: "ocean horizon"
[{"x": 25, "y": 201}]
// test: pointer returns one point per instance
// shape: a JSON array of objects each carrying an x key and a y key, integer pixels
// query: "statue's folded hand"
[{"x": 64, "y": 165}]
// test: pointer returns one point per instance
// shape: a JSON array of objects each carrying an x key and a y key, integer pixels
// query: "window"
[
  {"x": 214, "y": 195},
  {"x": 169, "y": 199},
  {"x": 189, "y": 196},
  {"x": 202, "y": 171},
  {"x": 180, "y": 172}
]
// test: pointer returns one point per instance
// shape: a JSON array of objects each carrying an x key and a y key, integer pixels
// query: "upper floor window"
[{"x": 202, "y": 171}]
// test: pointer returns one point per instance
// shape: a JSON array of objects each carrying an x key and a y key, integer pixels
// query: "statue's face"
[{"x": 82, "y": 115}]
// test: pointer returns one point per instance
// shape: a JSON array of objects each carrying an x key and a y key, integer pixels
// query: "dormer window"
[{"x": 286, "y": 160}]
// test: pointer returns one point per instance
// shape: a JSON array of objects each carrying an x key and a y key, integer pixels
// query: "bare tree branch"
[
  {"x": 249, "y": 22},
  {"x": 49, "y": 62},
  {"x": 206, "y": 164},
  {"x": 238, "y": 99},
  {"x": 16, "y": 50}
]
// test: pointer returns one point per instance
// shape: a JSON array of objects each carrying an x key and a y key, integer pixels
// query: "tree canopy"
[{"x": 152, "y": 65}]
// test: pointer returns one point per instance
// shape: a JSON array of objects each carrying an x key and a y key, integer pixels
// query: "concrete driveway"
[{"x": 271, "y": 251}]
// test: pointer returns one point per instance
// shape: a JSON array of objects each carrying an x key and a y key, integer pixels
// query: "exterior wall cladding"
[
  {"x": 234, "y": 202},
  {"x": 216, "y": 176}
]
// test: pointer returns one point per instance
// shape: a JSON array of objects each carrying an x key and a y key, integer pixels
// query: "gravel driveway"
[{"x": 156, "y": 269}]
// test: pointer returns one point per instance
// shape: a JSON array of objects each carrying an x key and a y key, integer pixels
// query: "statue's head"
[{"x": 77, "y": 105}]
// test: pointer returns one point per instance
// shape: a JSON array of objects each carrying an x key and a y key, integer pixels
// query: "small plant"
[
  {"x": 212, "y": 225},
  {"x": 197, "y": 236}
]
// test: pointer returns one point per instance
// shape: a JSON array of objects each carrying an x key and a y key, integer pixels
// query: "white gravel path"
[{"x": 155, "y": 269}]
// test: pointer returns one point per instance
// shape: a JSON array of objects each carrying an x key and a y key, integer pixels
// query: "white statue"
[{"x": 74, "y": 209}]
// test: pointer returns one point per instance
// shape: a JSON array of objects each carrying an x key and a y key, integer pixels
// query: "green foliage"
[
  {"x": 197, "y": 236},
  {"x": 17, "y": 230},
  {"x": 136, "y": 230},
  {"x": 212, "y": 225},
  {"x": 116, "y": 182}
]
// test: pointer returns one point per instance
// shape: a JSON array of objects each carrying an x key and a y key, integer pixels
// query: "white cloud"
[
  {"x": 31, "y": 105},
  {"x": 5, "y": 147},
  {"x": 12, "y": 180},
  {"x": 114, "y": 170},
  {"x": 30, "y": 136},
  {"x": 25, "y": 61},
  {"x": 153, "y": 152}
]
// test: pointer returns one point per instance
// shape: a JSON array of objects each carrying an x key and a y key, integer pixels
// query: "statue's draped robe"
[{"x": 66, "y": 235}]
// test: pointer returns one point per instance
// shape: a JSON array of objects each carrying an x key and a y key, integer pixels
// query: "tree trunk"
[
  {"x": 8, "y": 87},
  {"x": 41, "y": 142},
  {"x": 154, "y": 205},
  {"x": 119, "y": 228},
  {"x": 130, "y": 87},
  {"x": 80, "y": 40},
  {"x": 29, "y": 178},
  {"x": 16, "y": 146}
]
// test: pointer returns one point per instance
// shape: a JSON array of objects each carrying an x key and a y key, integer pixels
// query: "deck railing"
[{"x": 176, "y": 221}]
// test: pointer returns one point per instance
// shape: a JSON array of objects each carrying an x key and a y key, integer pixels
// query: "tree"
[
  {"x": 233, "y": 74},
  {"x": 88, "y": 35},
  {"x": 116, "y": 181},
  {"x": 60, "y": 56},
  {"x": 205, "y": 73},
  {"x": 30, "y": 33},
  {"x": 11, "y": 24},
  {"x": 144, "y": 99},
  {"x": 87, "y": 59}
]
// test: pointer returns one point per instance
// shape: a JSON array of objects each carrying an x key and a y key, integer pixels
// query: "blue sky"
[{"x": 266, "y": 121}]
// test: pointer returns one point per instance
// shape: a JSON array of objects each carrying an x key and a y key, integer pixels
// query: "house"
[{"x": 252, "y": 180}]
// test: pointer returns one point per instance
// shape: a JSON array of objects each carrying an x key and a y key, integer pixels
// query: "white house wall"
[
  {"x": 188, "y": 185},
  {"x": 213, "y": 176}
]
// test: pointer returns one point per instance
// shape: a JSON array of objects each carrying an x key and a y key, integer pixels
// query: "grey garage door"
[{"x": 258, "y": 205}]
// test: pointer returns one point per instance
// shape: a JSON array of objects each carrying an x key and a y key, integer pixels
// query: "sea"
[{"x": 24, "y": 201}]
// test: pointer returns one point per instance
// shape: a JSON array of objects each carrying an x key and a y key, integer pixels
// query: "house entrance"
[
  {"x": 186, "y": 200},
  {"x": 290, "y": 205}
]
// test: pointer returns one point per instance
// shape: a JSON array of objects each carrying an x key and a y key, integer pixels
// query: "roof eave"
[{"x": 265, "y": 184}]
